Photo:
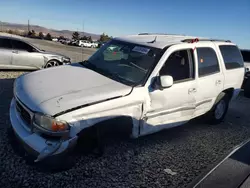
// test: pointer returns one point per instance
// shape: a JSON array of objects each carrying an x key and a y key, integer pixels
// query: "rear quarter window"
[{"x": 232, "y": 56}]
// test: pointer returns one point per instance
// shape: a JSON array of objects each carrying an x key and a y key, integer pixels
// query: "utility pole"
[
  {"x": 28, "y": 25},
  {"x": 82, "y": 36}
]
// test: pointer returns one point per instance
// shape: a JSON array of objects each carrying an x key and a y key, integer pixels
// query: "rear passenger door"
[
  {"x": 210, "y": 78},
  {"x": 5, "y": 52},
  {"x": 25, "y": 55}
]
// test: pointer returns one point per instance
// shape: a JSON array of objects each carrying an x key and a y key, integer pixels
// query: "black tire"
[
  {"x": 217, "y": 114},
  {"x": 247, "y": 88},
  {"x": 90, "y": 141}
]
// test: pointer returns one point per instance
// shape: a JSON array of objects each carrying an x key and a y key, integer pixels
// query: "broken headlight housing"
[
  {"x": 50, "y": 124},
  {"x": 65, "y": 59}
]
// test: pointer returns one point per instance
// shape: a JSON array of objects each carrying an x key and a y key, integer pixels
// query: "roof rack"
[
  {"x": 160, "y": 34},
  {"x": 197, "y": 40}
]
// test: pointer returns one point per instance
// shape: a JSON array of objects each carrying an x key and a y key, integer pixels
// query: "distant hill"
[{"x": 37, "y": 29}]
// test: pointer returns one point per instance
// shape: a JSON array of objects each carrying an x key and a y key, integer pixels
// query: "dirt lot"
[
  {"x": 171, "y": 158},
  {"x": 76, "y": 54}
]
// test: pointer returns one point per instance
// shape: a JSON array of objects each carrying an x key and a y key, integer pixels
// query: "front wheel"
[
  {"x": 219, "y": 110},
  {"x": 52, "y": 63}
]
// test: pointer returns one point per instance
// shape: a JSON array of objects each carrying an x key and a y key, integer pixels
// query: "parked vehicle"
[
  {"x": 246, "y": 83},
  {"x": 55, "y": 39},
  {"x": 230, "y": 172},
  {"x": 140, "y": 84},
  {"x": 73, "y": 43},
  {"x": 95, "y": 44},
  {"x": 85, "y": 43},
  {"x": 100, "y": 44},
  {"x": 62, "y": 40},
  {"x": 18, "y": 54},
  {"x": 67, "y": 41}
]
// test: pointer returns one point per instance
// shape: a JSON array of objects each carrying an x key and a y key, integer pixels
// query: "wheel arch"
[
  {"x": 122, "y": 123},
  {"x": 60, "y": 63},
  {"x": 228, "y": 92}
]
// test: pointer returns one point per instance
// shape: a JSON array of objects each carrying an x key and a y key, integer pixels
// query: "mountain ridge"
[{"x": 37, "y": 28}]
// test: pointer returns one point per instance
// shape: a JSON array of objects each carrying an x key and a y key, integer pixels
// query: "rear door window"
[
  {"x": 19, "y": 45},
  {"x": 232, "y": 56},
  {"x": 207, "y": 61},
  {"x": 5, "y": 43}
]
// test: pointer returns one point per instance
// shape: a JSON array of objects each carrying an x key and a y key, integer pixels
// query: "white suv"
[{"x": 143, "y": 83}]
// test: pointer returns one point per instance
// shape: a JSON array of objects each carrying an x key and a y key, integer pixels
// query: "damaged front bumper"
[{"x": 33, "y": 143}]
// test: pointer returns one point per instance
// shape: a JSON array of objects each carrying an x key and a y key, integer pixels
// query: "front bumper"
[
  {"x": 33, "y": 143},
  {"x": 66, "y": 62}
]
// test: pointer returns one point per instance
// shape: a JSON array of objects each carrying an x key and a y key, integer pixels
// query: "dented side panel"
[{"x": 130, "y": 106}]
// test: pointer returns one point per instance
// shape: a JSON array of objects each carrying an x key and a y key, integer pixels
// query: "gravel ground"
[{"x": 171, "y": 158}]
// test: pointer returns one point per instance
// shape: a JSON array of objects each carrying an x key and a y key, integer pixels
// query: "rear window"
[
  {"x": 5, "y": 43},
  {"x": 232, "y": 56},
  {"x": 207, "y": 61},
  {"x": 246, "y": 55}
]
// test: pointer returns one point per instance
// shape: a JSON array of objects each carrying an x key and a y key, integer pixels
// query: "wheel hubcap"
[
  {"x": 220, "y": 109},
  {"x": 52, "y": 64}
]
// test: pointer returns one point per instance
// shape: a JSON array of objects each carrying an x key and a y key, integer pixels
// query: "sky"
[{"x": 224, "y": 19}]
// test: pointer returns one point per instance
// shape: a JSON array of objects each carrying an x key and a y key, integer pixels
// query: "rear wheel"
[
  {"x": 219, "y": 110},
  {"x": 52, "y": 63}
]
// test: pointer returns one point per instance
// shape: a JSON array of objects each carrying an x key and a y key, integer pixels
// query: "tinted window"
[
  {"x": 207, "y": 61},
  {"x": 179, "y": 65},
  {"x": 19, "y": 45},
  {"x": 231, "y": 56},
  {"x": 5, "y": 43},
  {"x": 246, "y": 55}
]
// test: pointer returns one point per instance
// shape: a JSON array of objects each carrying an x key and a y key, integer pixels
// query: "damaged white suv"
[{"x": 149, "y": 81}]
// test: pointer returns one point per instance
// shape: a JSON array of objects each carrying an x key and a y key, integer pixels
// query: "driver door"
[
  {"x": 25, "y": 55},
  {"x": 175, "y": 105}
]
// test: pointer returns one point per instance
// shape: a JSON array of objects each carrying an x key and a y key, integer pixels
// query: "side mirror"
[{"x": 165, "y": 81}]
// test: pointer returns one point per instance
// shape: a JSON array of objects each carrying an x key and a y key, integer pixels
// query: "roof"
[
  {"x": 9, "y": 36},
  {"x": 161, "y": 40}
]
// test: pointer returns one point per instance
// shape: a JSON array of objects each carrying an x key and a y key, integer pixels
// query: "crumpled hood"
[{"x": 55, "y": 90}]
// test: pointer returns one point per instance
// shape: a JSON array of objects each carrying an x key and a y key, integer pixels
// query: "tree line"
[
  {"x": 75, "y": 36},
  {"x": 103, "y": 37}
]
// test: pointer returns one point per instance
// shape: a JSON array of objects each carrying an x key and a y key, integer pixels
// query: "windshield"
[
  {"x": 125, "y": 62},
  {"x": 246, "y": 56}
]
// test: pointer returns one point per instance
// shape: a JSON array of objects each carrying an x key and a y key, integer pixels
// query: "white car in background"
[
  {"x": 84, "y": 43},
  {"x": 94, "y": 44}
]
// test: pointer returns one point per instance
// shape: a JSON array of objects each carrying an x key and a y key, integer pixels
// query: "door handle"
[
  {"x": 218, "y": 82},
  {"x": 15, "y": 51},
  {"x": 192, "y": 90}
]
